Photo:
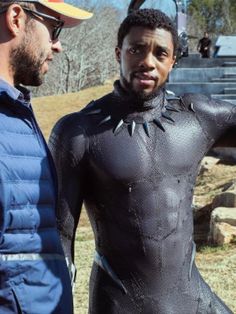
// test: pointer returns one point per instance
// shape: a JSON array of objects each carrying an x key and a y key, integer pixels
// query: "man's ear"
[
  {"x": 172, "y": 64},
  {"x": 118, "y": 54},
  {"x": 15, "y": 19}
]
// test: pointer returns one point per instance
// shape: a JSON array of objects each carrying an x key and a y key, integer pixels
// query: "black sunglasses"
[{"x": 58, "y": 24}]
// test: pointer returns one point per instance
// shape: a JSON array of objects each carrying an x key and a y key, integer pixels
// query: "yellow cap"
[{"x": 71, "y": 15}]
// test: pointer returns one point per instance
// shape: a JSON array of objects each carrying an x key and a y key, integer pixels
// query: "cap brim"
[{"x": 71, "y": 15}]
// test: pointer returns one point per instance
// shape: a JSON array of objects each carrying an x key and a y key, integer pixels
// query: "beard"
[
  {"x": 141, "y": 95},
  {"x": 25, "y": 63}
]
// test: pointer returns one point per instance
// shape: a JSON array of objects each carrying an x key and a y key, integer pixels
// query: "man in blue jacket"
[{"x": 33, "y": 272}]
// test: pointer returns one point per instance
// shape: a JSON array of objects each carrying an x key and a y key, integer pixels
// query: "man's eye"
[
  {"x": 133, "y": 50},
  {"x": 161, "y": 53}
]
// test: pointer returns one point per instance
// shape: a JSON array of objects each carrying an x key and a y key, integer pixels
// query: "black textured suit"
[{"x": 134, "y": 164}]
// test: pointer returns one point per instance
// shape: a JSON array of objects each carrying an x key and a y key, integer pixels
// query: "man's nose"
[
  {"x": 149, "y": 61},
  {"x": 56, "y": 46}
]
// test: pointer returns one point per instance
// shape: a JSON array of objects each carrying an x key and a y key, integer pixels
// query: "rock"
[
  {"x": 225, "y": 199},
  {"x": 224, "y": 214},
  {"x": 207, "y": 163},
  {"x": 223, "y": 233},
  {"x": 222, "y": 225},
  {"x": 229, "y": 186}
]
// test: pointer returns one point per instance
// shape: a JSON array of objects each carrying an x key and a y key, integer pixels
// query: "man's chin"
[
  {"x": 146, "y": 95},
  {"x": 140, "y": 93},
  {"x": 34, "y": 81}
]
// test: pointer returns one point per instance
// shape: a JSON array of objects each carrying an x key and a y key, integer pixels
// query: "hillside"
[
  {"x": 217, "y": 265},
  {"x": 51, "y": 108}
]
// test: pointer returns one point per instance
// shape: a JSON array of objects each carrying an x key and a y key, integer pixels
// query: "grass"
[
  {"x": 51, "y": 108},
  {"x": 216, "y": 264},
  {"x": 218, "y": 267}
]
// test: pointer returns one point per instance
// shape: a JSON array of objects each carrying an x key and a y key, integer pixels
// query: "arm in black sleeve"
[
  {"x": 68, "y": 144},
  {"x": 226, "y": 120},
  {"x": 216, "y": 117}
]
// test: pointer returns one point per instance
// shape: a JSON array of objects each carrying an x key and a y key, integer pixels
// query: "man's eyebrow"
[
  {"x": 137, "y": 43},
  {"x": 164, "y": 48},
  {"x": 143, "y": 43}
]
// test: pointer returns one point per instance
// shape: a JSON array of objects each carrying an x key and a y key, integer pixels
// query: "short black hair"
[{"x": 149, "y": 18}]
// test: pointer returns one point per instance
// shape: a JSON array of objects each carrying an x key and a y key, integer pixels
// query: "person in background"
[
  {"x": 33, "y": 270},
  {"x": 132, "y": 157},
  {"x": 204, "y": 46}
]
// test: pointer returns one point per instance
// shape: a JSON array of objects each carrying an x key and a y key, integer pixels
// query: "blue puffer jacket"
[{"x": 33, "y": 273}]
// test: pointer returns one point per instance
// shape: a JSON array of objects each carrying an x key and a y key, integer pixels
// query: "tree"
[
  {"x": 88, "y": 57},
  {"x": 214, "y": 16}
]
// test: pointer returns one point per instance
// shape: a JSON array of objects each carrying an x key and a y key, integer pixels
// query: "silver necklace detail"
[{"x": 165, "y": 114}]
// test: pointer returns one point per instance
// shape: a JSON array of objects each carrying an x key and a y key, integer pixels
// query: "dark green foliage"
[{"x": 214, "y": 16}]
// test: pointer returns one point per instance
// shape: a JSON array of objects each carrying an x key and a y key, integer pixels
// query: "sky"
[{"x": 167, "y": 6}]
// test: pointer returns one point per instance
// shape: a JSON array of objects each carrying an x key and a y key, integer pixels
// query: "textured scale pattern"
[{"x": 137, "y": 186}]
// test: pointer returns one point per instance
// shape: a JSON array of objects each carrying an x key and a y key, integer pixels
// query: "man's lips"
[
  {"x": 45, "y": 64},
  {"x": 145, "y": 79},
  {"x": 49, "y": 59},
  {"x": 144, "y": 76}
]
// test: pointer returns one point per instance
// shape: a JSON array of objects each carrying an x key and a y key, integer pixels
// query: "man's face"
[
  {"x": 146, "y": 58},
  {"x": 30, "y": 58}
]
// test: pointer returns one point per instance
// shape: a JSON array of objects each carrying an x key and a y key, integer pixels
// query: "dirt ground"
[{"x": 213, "y": 182}]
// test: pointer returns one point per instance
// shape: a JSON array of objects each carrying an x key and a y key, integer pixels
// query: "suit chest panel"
[{"x": 128, "y": 158}]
